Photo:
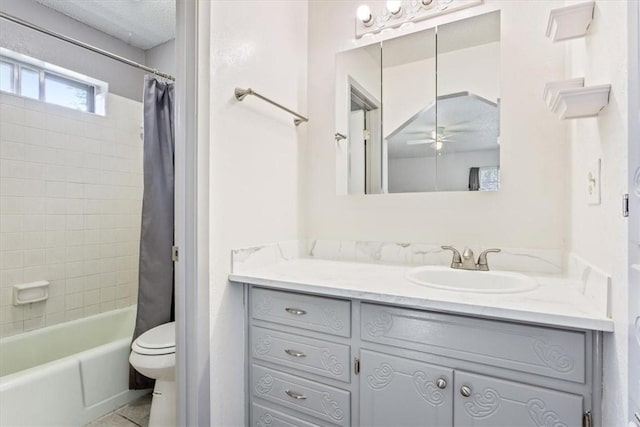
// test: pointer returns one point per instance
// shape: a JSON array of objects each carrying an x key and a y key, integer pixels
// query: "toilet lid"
[{"x": 159, "y": 340}]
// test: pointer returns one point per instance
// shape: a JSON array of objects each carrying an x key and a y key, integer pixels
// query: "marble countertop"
[{"x": 556, "y": 302}]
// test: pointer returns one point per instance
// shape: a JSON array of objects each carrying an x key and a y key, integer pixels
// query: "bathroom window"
[
  {"x": 35, "y": 79},
  {"x": 68, "y": 93},
  {"x": 7, "y": 77},
  {"x": 489, "y": 178}
]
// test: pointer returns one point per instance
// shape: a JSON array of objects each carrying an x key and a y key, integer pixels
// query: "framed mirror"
[{"x": 432, "y": 120}]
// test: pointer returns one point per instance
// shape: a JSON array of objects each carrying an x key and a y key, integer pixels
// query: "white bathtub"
[{"x": 67, "y": 374}]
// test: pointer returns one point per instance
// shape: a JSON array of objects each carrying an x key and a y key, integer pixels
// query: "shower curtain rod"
[{"x": 84, "y": 45}]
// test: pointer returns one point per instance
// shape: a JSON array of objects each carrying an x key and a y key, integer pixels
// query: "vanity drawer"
[
  {"x": 542, "y": 351},
  {"x": 324, "y": 402},
  {"x": 307, "y": 354},
  {"x": 318, "y": 314},
  {"x": 263, "y": 416}
]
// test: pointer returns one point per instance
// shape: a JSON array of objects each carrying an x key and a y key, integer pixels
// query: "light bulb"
[
  {"x": 364, "y": 15},
  {"x": 395, "y": 7}
]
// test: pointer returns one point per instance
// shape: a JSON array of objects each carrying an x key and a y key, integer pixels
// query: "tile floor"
[{"x": 134, "y": 414}]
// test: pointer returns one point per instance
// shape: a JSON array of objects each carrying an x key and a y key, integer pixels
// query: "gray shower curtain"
[
  {"x": 155, "y": 280},
  {"x": 474, "y": 179}
]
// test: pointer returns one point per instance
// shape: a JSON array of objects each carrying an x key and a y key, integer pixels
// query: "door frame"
[
  {"x": 634, "y": 209},
  {"x": 192, "y": 214}
]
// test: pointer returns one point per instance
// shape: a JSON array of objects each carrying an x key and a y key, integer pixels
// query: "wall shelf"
[
  {"x": 575, "y": 103},
  {"x": 551, "y": 89},
  {"x": 570, "y": 22}
]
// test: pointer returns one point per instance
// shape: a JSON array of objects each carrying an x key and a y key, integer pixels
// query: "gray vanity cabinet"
[
  {"x": 322, "y": 361},
  {"x": 482, "y": 401},
  {"x": 395, "y": 391}
]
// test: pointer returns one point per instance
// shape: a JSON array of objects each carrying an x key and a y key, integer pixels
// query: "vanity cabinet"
[
  {"x": 494, "y": 402},
  {"x": 320, "y": 361},
  {"x": 395, "y": 391}
]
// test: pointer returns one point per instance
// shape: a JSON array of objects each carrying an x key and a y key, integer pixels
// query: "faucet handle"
[
  {"x": 456, "y": 261},
  {"x": 482, "y": 259}
]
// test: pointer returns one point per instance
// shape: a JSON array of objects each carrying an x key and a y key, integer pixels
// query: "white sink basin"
[{"x": 486, "y": 282}]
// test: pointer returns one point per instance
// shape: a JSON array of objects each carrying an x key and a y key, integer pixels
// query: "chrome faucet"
[{"x": 466, "y": 261}]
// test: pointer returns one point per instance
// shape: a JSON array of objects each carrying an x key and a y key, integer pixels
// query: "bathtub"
[{"x": 68, "y": 374}]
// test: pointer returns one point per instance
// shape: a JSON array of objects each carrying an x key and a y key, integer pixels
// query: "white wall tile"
[
  {"x": 11, "y": 132},
  {"x": 11, "y": 241},
  {"x": 7, "y": 98},
  {"x": 33, "y": 222},
  {"x": 33, "y": 274},
  {"x": 34, "y": 239},
  {"x": 11, "y": 205},
  {"x": 70, "y": 191},
  {"x": 11, "y": 223},
  {"x": 34, "y": 119},
  {"x": 12, "y": 187},
  {"x": 11, "y": 259},
  {"x": 35, "y": 136},
  {"x": 12, "y": 168},
  {"x": 11, "y": 277},
  {"x": 35, "y": 257},
  {"x": 12, "y": 150}
]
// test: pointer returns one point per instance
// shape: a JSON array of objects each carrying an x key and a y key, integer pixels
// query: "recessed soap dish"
[{"x": 27, "y": 293}]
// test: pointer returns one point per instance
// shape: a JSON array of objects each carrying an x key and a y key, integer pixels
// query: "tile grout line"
[{"x": 128, "y": 419}]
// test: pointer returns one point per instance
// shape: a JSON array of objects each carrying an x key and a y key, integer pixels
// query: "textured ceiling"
[
  {"x": 466, "y": 122},
  {"x": 140, "y": 23}
]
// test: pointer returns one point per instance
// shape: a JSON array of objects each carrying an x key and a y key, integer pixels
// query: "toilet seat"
[{"x": 156, "y": 341}]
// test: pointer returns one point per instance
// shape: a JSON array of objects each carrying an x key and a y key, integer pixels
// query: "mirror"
[
  {"x": 439, "y": 96},
  {"x": 359, "y": 113}
]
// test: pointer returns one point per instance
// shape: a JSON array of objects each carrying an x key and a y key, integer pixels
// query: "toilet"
[{"x": 153, "y": 354}]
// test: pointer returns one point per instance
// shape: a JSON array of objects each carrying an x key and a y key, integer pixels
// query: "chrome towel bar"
[{"x": 241, "y": 94}]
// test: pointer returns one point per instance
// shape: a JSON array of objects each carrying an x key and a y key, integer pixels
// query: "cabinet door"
[
  {"x": 492, "y": 402},
  {"x": 395, "y": 392}
]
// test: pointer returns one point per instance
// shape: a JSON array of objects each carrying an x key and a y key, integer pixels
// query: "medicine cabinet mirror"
[{"x": 421, "y": 112}]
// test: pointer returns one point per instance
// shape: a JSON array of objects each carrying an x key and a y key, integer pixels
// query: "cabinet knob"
[
  {"x": 441, "y": 383},
  {"x": 465, "y": 391}
]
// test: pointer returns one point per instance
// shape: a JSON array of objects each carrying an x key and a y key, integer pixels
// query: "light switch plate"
[{"x": 593, "y": 183}]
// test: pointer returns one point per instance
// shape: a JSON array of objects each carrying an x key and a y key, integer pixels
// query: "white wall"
[
  {"x": 70, "y": 203},
  {"x": 475, "y": 69},
  {"x": 408, "y": 89},
  {"x": 123, "y": 79},
  {"x": 530, "y": 210},
  {"x": 253, "y": 162},
  {"x": 599, "y": 233}
]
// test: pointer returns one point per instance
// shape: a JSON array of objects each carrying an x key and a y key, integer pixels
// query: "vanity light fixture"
[
  {"x": 395, "y": 8},
  {"x": 393, "y": 15},
  {"x": 364, "y": 15}
]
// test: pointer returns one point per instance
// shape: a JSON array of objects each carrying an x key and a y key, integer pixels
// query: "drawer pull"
[
  {"x": 295, "y": 353},
  {"x": 295, "y": 311},
  {"x": 295, "y": 395},
  {"x": 465, "y": 391},
  {"x": 441, "y": 383}
]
